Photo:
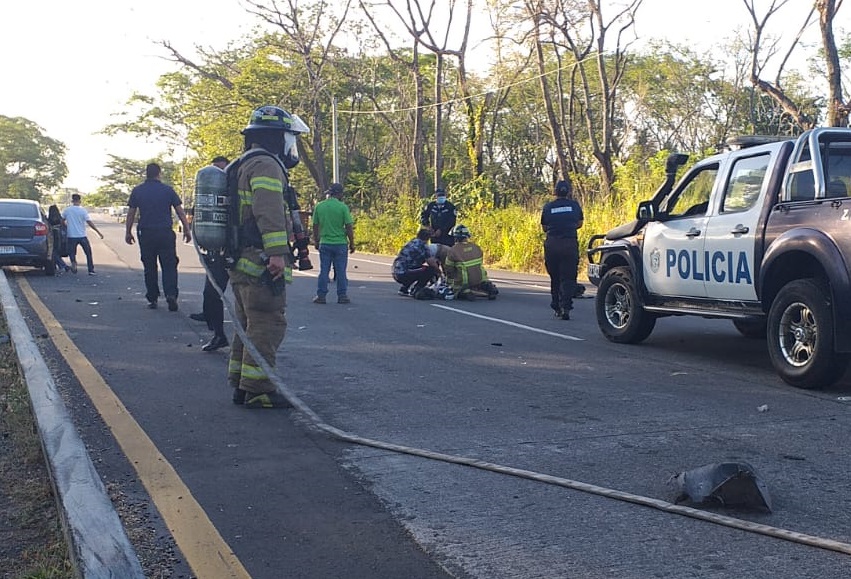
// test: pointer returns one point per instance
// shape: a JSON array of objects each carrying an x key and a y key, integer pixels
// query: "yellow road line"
[{"x": 205, "y": 550}]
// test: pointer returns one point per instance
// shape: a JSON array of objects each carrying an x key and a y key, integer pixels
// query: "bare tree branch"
[{"x": 200, "y": 70}]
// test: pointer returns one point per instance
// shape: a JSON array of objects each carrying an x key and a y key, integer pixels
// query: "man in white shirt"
[{"x": 76, "y": 218}]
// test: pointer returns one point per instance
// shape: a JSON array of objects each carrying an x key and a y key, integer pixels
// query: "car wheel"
[
  {"x": 619, "y": 313},
  {"x": 800, "y": 335},
  {"x": 50, "y": 268},
  {"x": 749, "y": 328}
]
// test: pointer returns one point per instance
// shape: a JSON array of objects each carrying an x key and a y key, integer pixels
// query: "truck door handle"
[
  {"x": 739, "y": 230},
  {"x": 693, "y": 232}
]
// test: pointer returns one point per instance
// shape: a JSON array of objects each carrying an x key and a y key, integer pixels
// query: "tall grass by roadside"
[
  {"x": 32, "y": 546},
  {"x": 512, "y": 238}
]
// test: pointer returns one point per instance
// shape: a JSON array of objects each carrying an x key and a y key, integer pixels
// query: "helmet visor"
[
  {"x": 298, "y": 125},
  {"x": 289, "y": 154}
]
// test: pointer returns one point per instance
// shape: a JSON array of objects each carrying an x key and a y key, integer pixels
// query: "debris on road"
[{"x": 730, "y": 484}]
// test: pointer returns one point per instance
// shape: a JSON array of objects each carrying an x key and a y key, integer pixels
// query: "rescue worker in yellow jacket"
[
  {"x": 264, "y": 261},
  {"x": 463, "y": 267}
]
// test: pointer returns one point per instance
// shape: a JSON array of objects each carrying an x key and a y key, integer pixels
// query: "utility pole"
[
  {"x": 438, "y": 122},
  {"x": 334, "y": 138}
]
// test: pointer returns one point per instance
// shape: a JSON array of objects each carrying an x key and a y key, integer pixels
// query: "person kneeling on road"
[
  {"x": 465, "y": 273},
  {"x": 415, "y": 267}
]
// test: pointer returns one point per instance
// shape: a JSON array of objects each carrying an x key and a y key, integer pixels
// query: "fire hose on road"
[{"x": 318, "y": 423}]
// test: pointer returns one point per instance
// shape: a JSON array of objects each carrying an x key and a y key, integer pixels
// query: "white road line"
[
  {"x": 514, "y": 324},
  {"x": 518, "y": 282},
  {"x": 362, "y": 260}
]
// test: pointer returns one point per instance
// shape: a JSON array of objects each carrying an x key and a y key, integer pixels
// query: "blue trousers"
[
  {"x": 338, "y": 256},
  {"x": 83, "y": 242}
]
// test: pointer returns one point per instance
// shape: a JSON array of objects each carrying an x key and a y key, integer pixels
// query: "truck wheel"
[
  {"x": 619, "y": 315},
  {"x": 800, "y": 335},
  {"x": 751, "y": 328}
]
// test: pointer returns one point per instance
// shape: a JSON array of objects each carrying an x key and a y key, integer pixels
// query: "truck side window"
[
  {"x": 802, "y": 186},
  {"x": 838, "y": 170},
  {"x": 746, "y": 180},
  {"x": 692, "y": 198}
]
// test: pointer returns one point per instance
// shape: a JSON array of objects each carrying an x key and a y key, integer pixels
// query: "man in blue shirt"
[
  {"x": 154, "y": 200},
  {"x": 415, "y": 266},
  {"x": 560, "y": 219}
]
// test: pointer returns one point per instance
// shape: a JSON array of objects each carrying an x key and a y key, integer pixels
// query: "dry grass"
[{"x": 32, "y": 545}]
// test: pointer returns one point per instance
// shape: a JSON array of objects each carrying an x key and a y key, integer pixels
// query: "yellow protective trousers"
[{"x": 262, "y": 315}]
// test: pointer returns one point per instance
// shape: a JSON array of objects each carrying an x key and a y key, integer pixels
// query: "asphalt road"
[{"x": 501, "y": 382}]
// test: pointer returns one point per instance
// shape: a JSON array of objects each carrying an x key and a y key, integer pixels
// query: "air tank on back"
[{"x": 210, "y": 219}]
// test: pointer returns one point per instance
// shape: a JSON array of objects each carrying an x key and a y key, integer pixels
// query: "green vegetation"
[
  {"x": 566, "y": 94},
  {"x": 32, "y": 546},
  {"x": 511, "y": 237},
  {"x": 31, "y": 163}
]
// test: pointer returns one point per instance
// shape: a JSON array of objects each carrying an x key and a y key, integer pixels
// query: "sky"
[{"x": 70, "y": 66}]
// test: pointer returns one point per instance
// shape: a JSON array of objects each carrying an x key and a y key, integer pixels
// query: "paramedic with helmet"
[{"x": 265, "y": 229}]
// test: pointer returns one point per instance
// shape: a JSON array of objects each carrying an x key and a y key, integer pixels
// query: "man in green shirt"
[{"x": 332, "y": 227}]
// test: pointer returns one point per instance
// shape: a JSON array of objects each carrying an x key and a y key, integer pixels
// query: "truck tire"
[
  {"x": 755, "y": 329},
  {"x": 800, "y": 335},
  {"x": 619, "y": 314}
]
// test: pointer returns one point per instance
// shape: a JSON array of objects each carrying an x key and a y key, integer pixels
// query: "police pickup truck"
[{"x": 759, "y": 234}]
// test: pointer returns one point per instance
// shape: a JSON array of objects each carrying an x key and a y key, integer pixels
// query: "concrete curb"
[{"x": 98, "y": 544}]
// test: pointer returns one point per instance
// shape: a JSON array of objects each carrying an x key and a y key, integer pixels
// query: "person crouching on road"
[
  {"x": 465, "y": 273},
  {"x": 560, "y": 220},
  {"x": 415, "y": 267},
  {"x": 264, "y": 260}
]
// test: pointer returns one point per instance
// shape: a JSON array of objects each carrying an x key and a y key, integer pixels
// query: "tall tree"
[
  {"x": 412, "y": 62},
  {"x": 837, "y": 108},
  {"x": 763, "y": 48},
  {"x": 307, "y": 33},
  {"x": 31, "y": 163},
  {"x": 578, "y": 32},
  {"x": 432, "y": 31}
]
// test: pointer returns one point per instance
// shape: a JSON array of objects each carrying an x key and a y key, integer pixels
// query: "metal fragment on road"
[{"x": 729, "y": 484}]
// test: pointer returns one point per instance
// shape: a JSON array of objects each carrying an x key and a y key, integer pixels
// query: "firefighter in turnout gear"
[
  {"x": 465, "y": 273},
  {"x": 263, "y": 260}
]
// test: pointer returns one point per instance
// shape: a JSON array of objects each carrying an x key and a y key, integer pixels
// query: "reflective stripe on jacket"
[
  {"x": 261, "y": 183},
  {"x": 464, "y": 266}
]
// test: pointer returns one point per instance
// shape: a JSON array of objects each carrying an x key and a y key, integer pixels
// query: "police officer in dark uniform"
[
  {"x": 439, "y": 216},
  {"x": 560, "y": 219},
  {"x": 154, "y": 200}
]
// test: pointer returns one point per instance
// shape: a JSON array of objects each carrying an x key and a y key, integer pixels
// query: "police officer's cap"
[{"x": 563, "y": 187}]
